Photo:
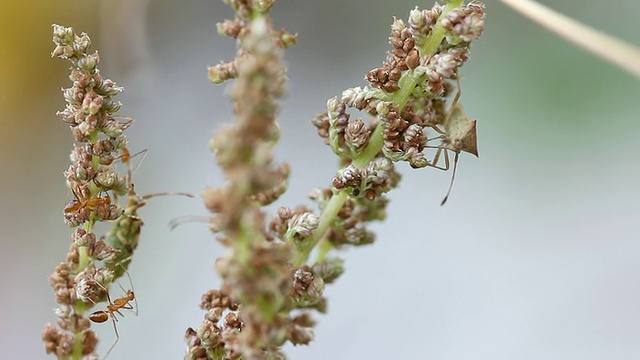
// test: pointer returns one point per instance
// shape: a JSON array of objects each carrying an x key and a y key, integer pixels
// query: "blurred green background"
[{"x": 533, "y": 257}]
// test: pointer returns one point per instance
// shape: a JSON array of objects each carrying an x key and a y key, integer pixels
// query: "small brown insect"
[
  {"x": 76, "y": 204},
  {"x": 113, "y": 308},
  {"x": 459, "y": 135}
]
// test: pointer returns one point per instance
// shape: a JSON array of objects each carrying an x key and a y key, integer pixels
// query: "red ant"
[
  {"x": 113, "y": 307},
  {"x": 126, "y": 155},
  {"x": 76, "y": 204}
]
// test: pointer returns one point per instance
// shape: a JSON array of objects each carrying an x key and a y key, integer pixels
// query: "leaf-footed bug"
[{"x": 459, "y": 135}]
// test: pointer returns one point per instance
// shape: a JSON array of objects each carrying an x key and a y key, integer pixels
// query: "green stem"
[
  {"x": 83, "y": 261},
  {"x": 406, "y": 84},
  {"x": 95, "y": 160},
  {"x": 76, "y": 354},
  {"x": 336, "y": 202},
  {"x": 373, "y": 148},
  {"x": 323, "y": 249},
  {"x": 243, "y": 246},
  {"x": 431, "y": 43},
  {"x": 80, "y": 307},
  {"x": 330, "y": 212}
]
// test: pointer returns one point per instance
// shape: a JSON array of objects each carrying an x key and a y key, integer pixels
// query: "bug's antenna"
[
  {"x": 453, "y": 177},
  {"x": 187, "y": 219}
]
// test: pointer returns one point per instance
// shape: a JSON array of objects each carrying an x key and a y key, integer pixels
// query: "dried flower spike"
[{"x": 93, "y": 262}]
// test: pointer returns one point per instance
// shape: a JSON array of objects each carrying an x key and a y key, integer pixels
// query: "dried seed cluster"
[
  {"x": 92, "y": 263},
  {"x": 408, "y": 92},
  {"x": 257, "y": 273}
]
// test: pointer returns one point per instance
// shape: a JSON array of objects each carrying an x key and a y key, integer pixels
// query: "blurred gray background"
[{"x": 535, "y": 256}]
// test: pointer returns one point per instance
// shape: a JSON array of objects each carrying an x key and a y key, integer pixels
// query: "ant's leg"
[
  {"x": 126, "y": 157},
  {"x": 144, "y": 154},
  {"x": 115, "y": 328},
  {"x": 105, "y": 291},
  {"x": 127, "y": 306}
]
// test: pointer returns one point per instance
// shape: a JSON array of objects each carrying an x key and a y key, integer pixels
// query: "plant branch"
[{"x": 609, "y": 48}]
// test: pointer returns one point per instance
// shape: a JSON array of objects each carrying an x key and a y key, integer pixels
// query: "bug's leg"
[
  {"x": 446, "y": 159},
  {"x": 457, "y": 97},
  {"x": 453, "y": 104},
  {"x": 436, "y": 158},
  {"x": 438, "y": 130},
  {"x": 441, "y": 137}
]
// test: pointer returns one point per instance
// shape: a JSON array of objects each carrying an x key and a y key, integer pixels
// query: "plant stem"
[
  {"x": 76, "y": 354},
  {"x": 330, "y": 212},
  {"x": 372, "y": 149},
  {"x": 434, "y": 40},
  {"x": 83, "y": 261},
  {"x": 323, "y": 249},
  {"x": 609, "y": 48}
]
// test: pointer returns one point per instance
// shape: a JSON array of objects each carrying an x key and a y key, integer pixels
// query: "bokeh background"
[{"x": 535, "y": 256}]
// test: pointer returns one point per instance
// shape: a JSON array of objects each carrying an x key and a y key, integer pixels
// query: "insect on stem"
[
  {"x": 113, "y": 308},
  {"x": 459, "y": 135}
]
